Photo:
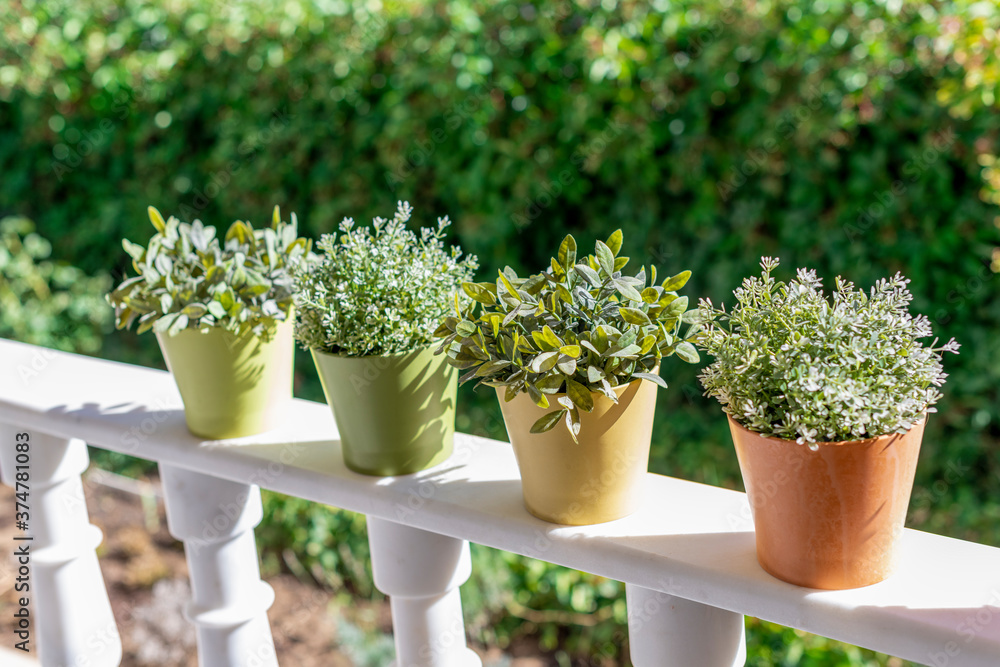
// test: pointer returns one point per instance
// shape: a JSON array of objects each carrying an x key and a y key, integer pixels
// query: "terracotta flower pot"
[
  {"x": 231, "y": 387},
  {"x": 395, "y": 413},
  {"x": 599, "y": 479},
  {"x": 828, "y": 518}
]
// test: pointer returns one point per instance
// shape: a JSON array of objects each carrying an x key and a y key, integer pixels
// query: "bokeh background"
[{"x": 860, "y": 139}]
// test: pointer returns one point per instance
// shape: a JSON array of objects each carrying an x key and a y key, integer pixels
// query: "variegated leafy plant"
[
  {"x": 379, "y": 290},
  {"x": 579, "y": 327},
  {"x": 190, "y": 279},
  {"x": 792, "y": 363}
]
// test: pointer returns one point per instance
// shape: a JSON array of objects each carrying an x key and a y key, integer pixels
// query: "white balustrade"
[
  {"x": 667, "y": 631},
  {"x": 687, "y": 556},
  {"x": 73, "y": 622},
  {"x": 421, "y": 573},
  {"x": 215, "y": 518}
]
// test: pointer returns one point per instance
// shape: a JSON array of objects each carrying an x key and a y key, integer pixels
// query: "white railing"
[{"x": 687, "y": 557}]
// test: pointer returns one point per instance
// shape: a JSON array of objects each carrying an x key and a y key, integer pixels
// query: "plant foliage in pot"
[
  {"x": 221, "y": 310},
  {"x": 367, "y": 310},
  {"x": 574, "y": 354},
  {"x": 827, "y": 401}
]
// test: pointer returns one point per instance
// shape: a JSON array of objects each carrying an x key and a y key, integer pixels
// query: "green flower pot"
[
  {"x": 231, "y": 387},
  {"x": 395, "y": 413}
]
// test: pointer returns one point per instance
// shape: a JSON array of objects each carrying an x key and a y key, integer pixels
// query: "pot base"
[
  {"x": 596, "y": 480},
  {"x": 231, "y": 387},
  {"x": 830, "y": 518},
  {"x": 395, "y": 413}
]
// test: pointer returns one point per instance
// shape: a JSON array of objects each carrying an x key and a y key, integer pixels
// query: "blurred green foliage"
[
  {"x": 856, "y": 138},
  {"x": 47, "y": 302}
]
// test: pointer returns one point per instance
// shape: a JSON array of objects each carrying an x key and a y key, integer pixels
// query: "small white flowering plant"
[
  {"x": 380, "y": 290},
  {"x": 791, "y": 363}
]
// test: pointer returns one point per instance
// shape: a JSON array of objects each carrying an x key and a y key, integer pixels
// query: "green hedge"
[{"x": 857, "y": 138}]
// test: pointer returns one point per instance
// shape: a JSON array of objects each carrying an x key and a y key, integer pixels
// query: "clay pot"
[
  {"x": 395, "y": 413},
  {"x": 599, "y": 479},
  {"x": 828, "y": 518},
  {"x": 231, "y": 386}
]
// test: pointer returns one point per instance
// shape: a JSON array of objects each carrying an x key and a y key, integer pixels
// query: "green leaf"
[
  {"x": 566, "y": 365},
  {"x": 134, "y": 250},
  {"x": 573, "y": 423},
  {"x": 629, "y": 351},
  {"x": 677, "y": 307},
  {"x": 551, "y": 383},
  {"x": 484, "y": 293},
  {"x": 194, "y": 310},
  {"x": 491, "y": 367},
  {"x": 676, "y": 282},
  {"x": 544, "y": 362},
  {"x": 508, "y": 286},
  {"x": 217, "y": 310},
  {"x": 615, "y": 242},
  {"x": 620, "y": 263},
  {"x": 179, "y": 324},
  {"x": 589, "y": 275},
  {"x": 465, "y": 329},
  {"x": 156, "y": 219},
  {"x": 605, "y": 258},
  {"x": 580, "y": 395},
  {"x": 537, "y": 396},
  {"x": 634, "y": 316},
  {"x": 547, "y": 421},
  {"x": 542, "y": 342},
  {"x": 567, "y": 252},
  {"x": 650, "y": 295},
  {"x": 551, "y": 336},
  {"x": 687, "y": 352},
  {"x": 652, "y": 377},
  {"x": 627, "y": 290},
  {"x": 571, "y": 350}
]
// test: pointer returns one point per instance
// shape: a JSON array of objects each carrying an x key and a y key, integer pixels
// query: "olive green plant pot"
[
  {"x": 395, "y": 413},
  {"x": 601, "y": 477},
  {"x": 231, "y": 387}
]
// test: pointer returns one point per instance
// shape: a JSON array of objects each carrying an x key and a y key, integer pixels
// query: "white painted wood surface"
[{"x": 689, "y": 540}]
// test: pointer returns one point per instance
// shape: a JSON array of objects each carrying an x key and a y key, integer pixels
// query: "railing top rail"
[{"x": 690, "y": 540}]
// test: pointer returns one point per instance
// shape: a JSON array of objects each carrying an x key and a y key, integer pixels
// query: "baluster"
[
  {"x": 215, "y": 519},
  {"x": 668, "y": 631},
  {"x": 73, "y": 622},
  {"x": 421, "y": 572}
]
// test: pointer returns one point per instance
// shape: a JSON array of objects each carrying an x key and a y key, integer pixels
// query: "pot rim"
[
  {"x": 835, "y": 443},
  {"x": 213, "y": 329},
  {"x": 618, "y": 390},
  {"x": 391, "y": 355}
]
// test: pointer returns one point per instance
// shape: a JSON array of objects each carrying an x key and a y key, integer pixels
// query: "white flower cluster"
[{"x": 789, "y": 363}]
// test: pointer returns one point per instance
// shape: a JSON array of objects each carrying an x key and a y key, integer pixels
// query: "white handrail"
[{"x": 689, "y": 541}]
